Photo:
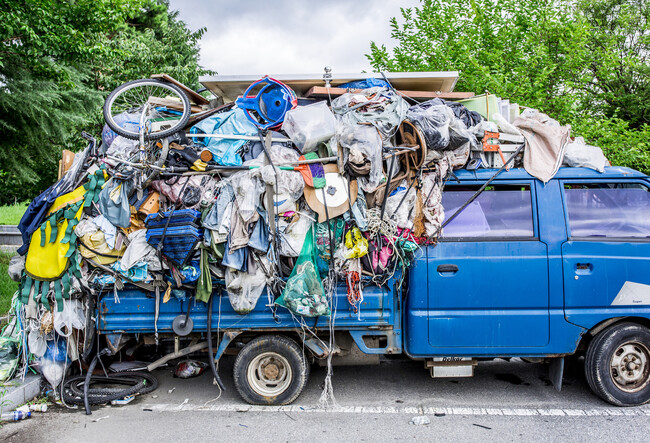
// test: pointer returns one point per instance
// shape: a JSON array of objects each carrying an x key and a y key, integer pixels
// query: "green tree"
[
  {"x": 585, "y": 62},
  {"x": 59, "y": 59}
]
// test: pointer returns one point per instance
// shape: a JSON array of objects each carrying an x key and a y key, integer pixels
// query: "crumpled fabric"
[
  {"x": 546, "y": 143},
  {"x": 380, "y": 107},
  {"x": 93, "y": 244},
  {"x": 224, "y": 151},
  {"x": 289, "y": 182},
  {"x": 139, "y": 250},
  {"x": 248, "y": 190},
  {"x": 239, "y": 232},
  {"x": 109, "y": 230},
  {"x": 195, "y": 189},
  {"x": 114, "y": 202},
  {"x": 431, "y": 193},
  {"x": 218, "y": 218},
  {"x": 364, "y": 144}
]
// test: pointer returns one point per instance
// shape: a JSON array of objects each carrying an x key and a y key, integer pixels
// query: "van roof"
[{"x": 563, "y": 173}]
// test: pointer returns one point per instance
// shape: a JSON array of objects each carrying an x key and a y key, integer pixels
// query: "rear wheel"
[
  {"x": 270, "y": 370},
  {"x": 617, "y": 365},
  {"x": 163, "y": 106}
]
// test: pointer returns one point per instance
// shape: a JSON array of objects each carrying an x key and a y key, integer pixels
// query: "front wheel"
[
  {"x": 617, "y": 365},
  {"x": 270, "y": 370}
]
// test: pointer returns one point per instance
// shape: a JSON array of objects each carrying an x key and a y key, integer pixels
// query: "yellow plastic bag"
[{"x": 356, "y": 245}]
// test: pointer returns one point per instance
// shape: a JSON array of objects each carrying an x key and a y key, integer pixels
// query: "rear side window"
[
  {"x": 500, "y": 211},
  {"x": 609, "y": 210}
]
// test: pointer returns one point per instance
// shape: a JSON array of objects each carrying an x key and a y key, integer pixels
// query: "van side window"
[
  {"x": 500, "y": 211},
  {"x": 611, "y": 210}
]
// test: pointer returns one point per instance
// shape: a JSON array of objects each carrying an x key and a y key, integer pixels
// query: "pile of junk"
[{"x": 275, "y": 187}]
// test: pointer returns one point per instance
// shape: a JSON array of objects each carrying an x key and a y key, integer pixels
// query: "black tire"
[
  {"x": 138, "y": 89},
  {"x": 278, "y": 374},
  {"x": 617, "y": 364}
]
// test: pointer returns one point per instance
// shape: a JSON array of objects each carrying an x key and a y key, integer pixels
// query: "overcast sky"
[{"x": 289, "y": 37}]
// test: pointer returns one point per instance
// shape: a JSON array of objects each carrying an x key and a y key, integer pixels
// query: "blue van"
[{"x": 533, "y": 270}]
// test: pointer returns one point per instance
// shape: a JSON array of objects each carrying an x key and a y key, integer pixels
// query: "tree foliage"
[
  {"x": 59, "y": 59},
  {"x": 585, "y": 62}
]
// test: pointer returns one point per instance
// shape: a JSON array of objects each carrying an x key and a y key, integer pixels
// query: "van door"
[
  {"x": 606, "y": 258},
  {"x": 488, "y": 275}
]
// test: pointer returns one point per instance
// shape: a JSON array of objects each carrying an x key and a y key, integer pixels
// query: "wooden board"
[
  {"x": 172, "y": 104},
  {"x": 321, "y": 91},
  {"x": 193, "y": 96}
]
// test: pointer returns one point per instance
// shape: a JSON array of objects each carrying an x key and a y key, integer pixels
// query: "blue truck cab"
[{"x": 534, "y": 270}]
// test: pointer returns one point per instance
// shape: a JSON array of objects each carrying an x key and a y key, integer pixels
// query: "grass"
[
  {"x": 11, "y": 214},
  {"x": 7, "y": 285}
]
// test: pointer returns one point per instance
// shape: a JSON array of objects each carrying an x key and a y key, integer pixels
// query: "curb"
[{"x": 21, "y": 394}]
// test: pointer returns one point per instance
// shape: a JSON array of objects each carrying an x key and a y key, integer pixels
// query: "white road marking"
[{"x": 412, "y": 410}]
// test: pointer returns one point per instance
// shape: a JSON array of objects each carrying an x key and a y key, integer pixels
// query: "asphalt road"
[{"x": 508, "y": 401}]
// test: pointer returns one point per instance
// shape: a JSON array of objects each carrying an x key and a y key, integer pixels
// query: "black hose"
[
  {"x": 89, "y": 375},
  {"x": 210, "y": 347}
]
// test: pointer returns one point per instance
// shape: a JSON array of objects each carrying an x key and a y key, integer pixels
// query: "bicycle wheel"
[{"x": 165, "y": 108}]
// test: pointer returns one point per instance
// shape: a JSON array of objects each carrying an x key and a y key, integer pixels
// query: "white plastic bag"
[
  {"x": 307, "y": 126},
  {"x": 580, "y": 154},
  {"x": 244, "y": 289}
]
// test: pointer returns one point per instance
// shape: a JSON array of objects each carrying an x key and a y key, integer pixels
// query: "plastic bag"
[
  {"x": 9, "y": 357},
  {"x": 121, "y": 148},
  {"x": 189, "y": 191},
  {"x": 16, "y": 267},
  {"x": 580, "y": 154},
  {"x": 356, "y": 245},
  {"x": 224, "y": 150},
  {"x": 71, "y": 317},
  {"x": 189, "y": 368},
  {"x": 244, "y": 289},
  {"x": 364, "y": 145},
  {"x": 400, "y": 205},
  {"x": 292, "y": 236},
  {"x": 433, "y": 120},
  {"x": 307, "y": 126},
  {"x": 304, "y": 294},
  {"x": 125, "y": 120},
  {"x": 53, "y": 364}
]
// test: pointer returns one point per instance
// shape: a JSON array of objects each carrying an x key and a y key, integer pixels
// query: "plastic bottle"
[{"x": 15, "y": 416}]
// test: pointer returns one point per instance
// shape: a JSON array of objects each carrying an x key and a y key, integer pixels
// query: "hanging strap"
[
  {"x": 27, "y": 287},
  {"x": 58, "y": 296},
  {"x": 45, "y": 288},
  {"x": 65, "y": 281}
]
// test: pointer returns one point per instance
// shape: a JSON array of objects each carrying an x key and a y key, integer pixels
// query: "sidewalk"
[{"x": 18, "y": 395}]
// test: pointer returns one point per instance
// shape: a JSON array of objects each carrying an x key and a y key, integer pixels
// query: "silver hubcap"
[
  {"x": 269, "y": 374},
  {"x": 629, "y": 367}
]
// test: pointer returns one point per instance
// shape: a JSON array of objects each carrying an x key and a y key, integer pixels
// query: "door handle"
[{"x": 447, "y": 268}]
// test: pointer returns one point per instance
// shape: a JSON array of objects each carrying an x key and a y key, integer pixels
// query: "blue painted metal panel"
[{"x": 135, "y": 313}]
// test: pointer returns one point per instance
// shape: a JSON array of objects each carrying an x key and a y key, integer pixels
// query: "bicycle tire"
[
  {"x": 73, "y": 393},
  {"x": 134, "y": 94}
]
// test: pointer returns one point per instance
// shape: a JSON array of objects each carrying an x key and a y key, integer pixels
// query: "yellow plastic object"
[
  {"x": 49, "y": 262},
  {"x": 355, "y": 243}
]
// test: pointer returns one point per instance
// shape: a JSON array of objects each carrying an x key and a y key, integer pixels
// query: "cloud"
[{"x": 289, "y": 37}]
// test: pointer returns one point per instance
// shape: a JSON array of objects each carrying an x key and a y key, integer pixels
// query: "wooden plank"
[
  {"x": 194, "y": 96},
  {"x": 321, "y": 91},
  {"x": 172, "y": 104}
]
